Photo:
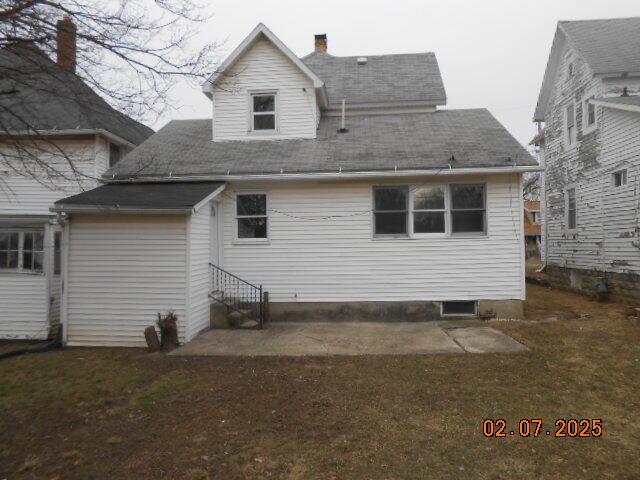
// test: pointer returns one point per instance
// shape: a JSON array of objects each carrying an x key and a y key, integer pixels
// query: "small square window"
[
  {"x": 620, "y": 178},
  {"x": 263, "y": 112}
]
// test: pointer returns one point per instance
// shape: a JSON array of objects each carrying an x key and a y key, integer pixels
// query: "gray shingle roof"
[
  {"x": 47, "y": 97},
  {"x": 608, "y": 46},
  {"x": 373, "y": 143},
  {"x": 169, "y": 196},
  {"x": 383, "y": 79}
]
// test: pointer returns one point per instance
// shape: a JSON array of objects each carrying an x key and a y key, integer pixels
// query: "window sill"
[
  {"x": 250, "y": 241},
  {"x": 435, "y": 236},
  {"x": 20, "y": 272}
]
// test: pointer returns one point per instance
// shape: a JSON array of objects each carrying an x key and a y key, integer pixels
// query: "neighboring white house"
[
  {"x": 590, "y": 147},
  {"x": 57, "y": 138},
  {"x": 337, "y": 184}
]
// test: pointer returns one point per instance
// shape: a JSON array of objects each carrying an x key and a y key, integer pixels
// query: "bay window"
[{"x": 22, "y": 251}]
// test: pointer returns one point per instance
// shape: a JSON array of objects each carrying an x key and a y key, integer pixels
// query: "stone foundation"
[{"x": 623, "y": 287}]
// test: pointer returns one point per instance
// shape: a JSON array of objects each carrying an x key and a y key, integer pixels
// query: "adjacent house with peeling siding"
[
  {"x": 339, "y": 185},
  {"x": 590, "y": 147},
  {"x": 57, "y": 138}
]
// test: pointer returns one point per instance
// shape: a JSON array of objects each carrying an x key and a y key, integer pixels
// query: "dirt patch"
[{"x": 122, "y": 413}]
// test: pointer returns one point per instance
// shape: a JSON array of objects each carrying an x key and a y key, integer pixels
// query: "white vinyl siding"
[
  {"x": 24, "y": 306},
  {"x": 199, "y": 256},
  {"x": 22, "y": 195},
  {"x": 264, "y": 68},
  {"x": 338, "y": 259},
  {"x": 122, "y": 271}
]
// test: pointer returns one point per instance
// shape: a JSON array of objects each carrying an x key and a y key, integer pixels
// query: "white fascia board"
[
  {"x": 262, "y": 29},
  {"x": 208, "y": 198},
  {"x": 102, "y": 209},
  {"x": 337, "y": 175},
  {"x": 617, "y": 106}
]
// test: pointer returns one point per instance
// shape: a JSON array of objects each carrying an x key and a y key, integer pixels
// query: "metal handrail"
[{"x": 237, "y": 294}]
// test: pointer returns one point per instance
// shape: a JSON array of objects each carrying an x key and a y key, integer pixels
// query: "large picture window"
[
  {"x": 251, "y": 216},
  {"x": 421, "y": 210},
  {"x": 468, "y": 208},
  {"x": 263, "y": 112},
  {"x": 22, "y": 251}
]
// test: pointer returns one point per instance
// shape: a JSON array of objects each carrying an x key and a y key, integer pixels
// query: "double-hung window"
[
  {"x": 22, "y": 251},
  {"x": 620, "y": 178},
  {"x": 390, "y": 210},
  {"x": 251, "y": 216},
  {"x": 263, "y": 112},
  {"x": 420, "y": 210},
  {"x": 571, "y": 208},
  {"x": 468, "y": 210},
  {"x": 570, "y": 124},
  {"x": 588, "y": 115},
  {"x": 429, "y": 210}
]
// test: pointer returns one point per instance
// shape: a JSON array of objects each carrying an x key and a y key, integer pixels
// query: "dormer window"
[{"x": 263, "y": 112}]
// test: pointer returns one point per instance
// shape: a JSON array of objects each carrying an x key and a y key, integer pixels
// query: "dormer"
[{"x": 262, "y": 91}]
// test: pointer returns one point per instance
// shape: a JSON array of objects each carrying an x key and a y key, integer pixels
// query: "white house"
[
  {"x": 590, "y": 146},
  {"x": 337, "y": 184},
  {"x": 57, "y": 138}
]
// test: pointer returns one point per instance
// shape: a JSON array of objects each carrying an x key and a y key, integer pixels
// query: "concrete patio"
[{"x": 362, "y": 338}]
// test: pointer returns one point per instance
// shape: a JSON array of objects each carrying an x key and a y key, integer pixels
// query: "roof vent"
[{"x": 362, "y": 60}]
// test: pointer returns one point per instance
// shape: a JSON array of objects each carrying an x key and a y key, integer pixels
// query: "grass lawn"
[{"x": 115, "y": 413}]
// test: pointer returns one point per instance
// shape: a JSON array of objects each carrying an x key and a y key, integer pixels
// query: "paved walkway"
[{"x": 362, "y": 338}]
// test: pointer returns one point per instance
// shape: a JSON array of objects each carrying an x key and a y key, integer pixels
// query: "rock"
[
  {"x": 151, "y": 336},
  {"x": 115, "y": 440}
]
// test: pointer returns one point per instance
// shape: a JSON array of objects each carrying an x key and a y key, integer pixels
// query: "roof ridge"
[
  {"x": 599, "y": 19},
  {"x": 429, "y": 52}
]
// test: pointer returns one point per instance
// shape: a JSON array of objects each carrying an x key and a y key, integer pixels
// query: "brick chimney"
[
  {"x": 66, "y": 50},
  {"x": 321, "y": 42}
]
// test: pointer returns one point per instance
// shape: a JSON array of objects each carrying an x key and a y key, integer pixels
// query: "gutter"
[
  {"x": 61, "y": 208},
  {"x": 329, "y": 175},
  {"x": 72, "y": 132}
]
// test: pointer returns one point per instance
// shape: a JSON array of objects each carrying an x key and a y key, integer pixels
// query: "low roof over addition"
[
  {"x": 380, "y": 79},
  {"x": 446, "y": 139},
  {"x": 169, "y": 197}
]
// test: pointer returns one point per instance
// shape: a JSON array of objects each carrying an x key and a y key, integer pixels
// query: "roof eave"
[
  {"x": 62, "y": 208},
  {"x": 72, "y": 132},
  {"x": 331, "y": 175}
]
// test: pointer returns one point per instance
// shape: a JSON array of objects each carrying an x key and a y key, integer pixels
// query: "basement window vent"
[
  {"x": 458, "y": 308},
  {"x": 362, "y": 60}
]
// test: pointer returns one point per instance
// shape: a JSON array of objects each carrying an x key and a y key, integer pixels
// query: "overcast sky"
[{"x": 492, "y": 53}]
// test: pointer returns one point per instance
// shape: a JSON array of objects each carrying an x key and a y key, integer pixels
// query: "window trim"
[
  {"x": 586, "y": 128},
  {"x": 257, "y": 93},
  {"x": 566, "y": 208},
  {"x": 625, "y": 172},
  {"x": 570, "y": 140},
  {"x": 239, "y": 240},
  {"x": 20, "y": 268},
  {"x": 448, "y": 219}
]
